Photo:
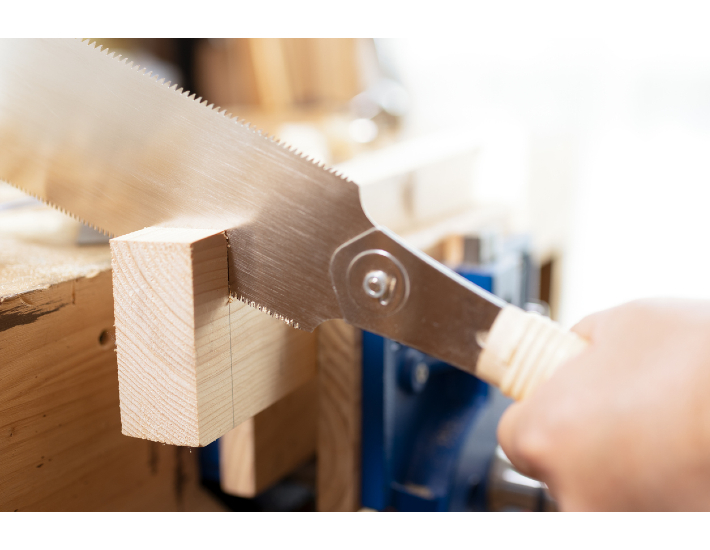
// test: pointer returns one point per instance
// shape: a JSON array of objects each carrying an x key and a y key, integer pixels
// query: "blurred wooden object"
[
  {"x": 193, "y": 364},
  {"x": 335, "y": 65},
  {"x": 278, "y": 73},
  {"x": 61, "y": 446},
  {"x": 272, "y": 79},
  {"x": 262, "y": 450},
  {"x": 412, "y": 183},
  {"x": 339, "y": 416}
]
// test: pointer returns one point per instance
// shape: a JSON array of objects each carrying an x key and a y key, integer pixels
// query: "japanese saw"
[{"x": 90, "y": 133}]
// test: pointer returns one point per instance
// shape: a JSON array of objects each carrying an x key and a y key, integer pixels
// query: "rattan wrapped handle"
[{"x": 523, "y": 349}]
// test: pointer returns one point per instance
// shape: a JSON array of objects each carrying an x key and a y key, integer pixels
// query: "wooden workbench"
[{"x": 61, "y": 446}]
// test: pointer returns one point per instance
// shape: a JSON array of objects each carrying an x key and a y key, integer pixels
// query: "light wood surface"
[
  {"x": 265, "y": 448},
  {"x": 172, "y": 334},
  {"x": 192, "y": 363},
  {"x": 280, "y": 73},
  {"x": 271, "y": 74},
  {"x": 417, "y": 181},
  {"x": 339, "y": 418},
  {"x": 61, "y": 446}
]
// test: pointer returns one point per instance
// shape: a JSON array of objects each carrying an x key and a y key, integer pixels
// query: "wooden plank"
[
  {"x": 300, "y": 67},
  {"x": 212, "y": 72},
  {"x": 240, "y": 72},
  {"x": 192, "y": 363},
  {"x": 336, "y": 69},
  {"x": 265, "y": 448},
  {"x": 61, "y": 446},
  {"x": 271, "y": 73},
  {"x": 339, "y": 418}
]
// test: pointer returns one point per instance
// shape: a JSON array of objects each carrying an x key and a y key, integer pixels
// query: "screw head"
[{"x": 375, "y": 284}]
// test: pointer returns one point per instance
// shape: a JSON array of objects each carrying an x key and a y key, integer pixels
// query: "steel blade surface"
[{"x": 120, "y": 150}]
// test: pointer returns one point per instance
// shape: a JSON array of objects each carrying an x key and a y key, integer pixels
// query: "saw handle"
[{"x": 522, "y": 349}]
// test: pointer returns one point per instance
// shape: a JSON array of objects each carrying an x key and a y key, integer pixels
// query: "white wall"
[{"x": 615, "y": 107}]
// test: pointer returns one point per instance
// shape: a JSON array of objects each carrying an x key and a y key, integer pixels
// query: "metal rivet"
[{"x": 375, "y": 284}]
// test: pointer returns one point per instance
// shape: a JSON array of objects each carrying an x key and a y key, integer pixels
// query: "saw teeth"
[
  {"x": 234, "y": 118},
  {"x": 57, "y": 207},
  {"x": 264, "y": 309}
]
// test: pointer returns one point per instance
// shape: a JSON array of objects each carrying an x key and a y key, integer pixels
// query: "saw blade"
[{"x": 88, "y": 132}]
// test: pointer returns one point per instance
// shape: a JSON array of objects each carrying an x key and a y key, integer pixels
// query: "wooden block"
[
  {"x": 262, "y": 450},
  {"x": 172, "y": 334},
  {"x": 192, "y": 363},
  {"x": 339, "y": 418},
  {"x": 61, "y": 447}
]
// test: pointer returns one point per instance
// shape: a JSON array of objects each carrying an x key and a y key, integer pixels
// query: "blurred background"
[{"x": 596, "y": 143}]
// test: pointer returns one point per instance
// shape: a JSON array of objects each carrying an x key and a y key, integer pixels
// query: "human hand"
[{"x": 626, "y": 424}]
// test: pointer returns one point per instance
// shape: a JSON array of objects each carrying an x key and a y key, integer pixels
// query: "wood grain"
[
  {"x": 265, "y": 448},
  {"x": 339, "y": 418},
  {"x": 172, "y": 333},
  {"x": 61, "y": 446},
  {"x": 192, "y": 364}
]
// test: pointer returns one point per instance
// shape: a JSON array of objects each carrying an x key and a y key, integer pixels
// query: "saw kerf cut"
[{"x": 192, "y": 364}]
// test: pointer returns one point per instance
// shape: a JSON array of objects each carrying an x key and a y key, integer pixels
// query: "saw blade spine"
[{"x": 216, "y": 109}]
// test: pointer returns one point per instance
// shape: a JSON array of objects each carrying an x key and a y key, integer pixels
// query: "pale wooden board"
[
  {"x": 339, "y": 418},
  {"x": 192, "y": 364},
  {"x": 336, "y": 77},
  {"x": 27, "y": 266},
  {"x": 269, "y": 360},
  {"x": 271, "y": 73},
  {"x": 301, "y": 69},
  {"x": 61, "y": 446},
  {"x": 417, "y": 181},
  {"x": 265, "y": 448}
]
